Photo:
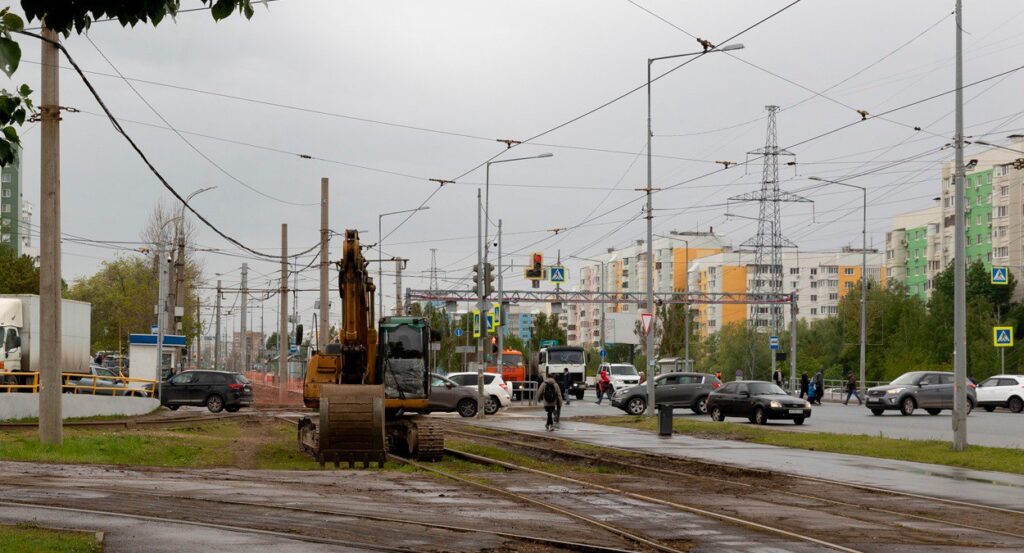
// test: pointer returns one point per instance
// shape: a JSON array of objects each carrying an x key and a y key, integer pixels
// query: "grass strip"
[
  {"x": 28, "y": 537},
  {"x": 921, "y": 451}
]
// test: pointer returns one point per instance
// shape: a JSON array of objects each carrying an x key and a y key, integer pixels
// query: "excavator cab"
[{"x": 402, "y": 356}]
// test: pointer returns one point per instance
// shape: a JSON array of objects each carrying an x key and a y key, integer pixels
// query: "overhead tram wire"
[
  {"x": 120, "y": 130},
  {"x": 194, "y": 148}
]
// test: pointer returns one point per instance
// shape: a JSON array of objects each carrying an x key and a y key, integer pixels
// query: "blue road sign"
[
  {"x": 604, "y": 354},
  {"x": 1002, "y": 336},
  {"x": 1000, "y": 275},
  {"x": 458, "y": 332},
  {"x": 556, "y": 274},
  {"x": 293, "y": 349},
  {"x": 773, "y": 342}
]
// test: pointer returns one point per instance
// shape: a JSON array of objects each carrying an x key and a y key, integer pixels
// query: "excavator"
[{"x": 366, "y": 384}]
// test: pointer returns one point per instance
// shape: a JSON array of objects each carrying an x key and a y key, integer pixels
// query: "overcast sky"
[{"x": 491, "y": 70}]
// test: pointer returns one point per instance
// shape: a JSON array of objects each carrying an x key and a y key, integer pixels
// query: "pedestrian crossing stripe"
[{"x": 1002, "y": 336}]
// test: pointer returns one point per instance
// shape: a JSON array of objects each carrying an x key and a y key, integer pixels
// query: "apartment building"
[
  {"x": 912, "y": 249},
  {"x": 819, "y": 280}
]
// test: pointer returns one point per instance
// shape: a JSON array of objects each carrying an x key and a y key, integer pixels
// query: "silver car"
[
  {"x": 931, "y": 391},
  {"x": 446, "y": 396}
]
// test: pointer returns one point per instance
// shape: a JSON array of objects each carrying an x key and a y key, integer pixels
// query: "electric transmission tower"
[{"x": 769, "y": 241}]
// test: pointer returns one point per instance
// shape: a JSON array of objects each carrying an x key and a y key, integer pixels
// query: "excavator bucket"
[{"x": 350, "y": 428}]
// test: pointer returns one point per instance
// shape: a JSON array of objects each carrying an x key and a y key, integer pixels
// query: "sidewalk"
[{"x": 989, "y": 488}]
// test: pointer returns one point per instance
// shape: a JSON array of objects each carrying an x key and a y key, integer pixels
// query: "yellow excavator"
[{"x": 365, "y": 384}]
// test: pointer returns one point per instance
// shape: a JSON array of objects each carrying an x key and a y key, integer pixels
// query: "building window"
[
  {"x": 833, "y": 284},
  {"x": 833, "y": 296},
  {"x": 814, "y": 298},
  {"x": 814, "y": 284},
  {"x": 7, "y": 177},
  {"x": 833, "y": 270},
  {"x": 5, "y": 237},
  {"x": 814, "y": 271},
  {"x": 1001, "y": 211},
  {"x": 849, "y": 270},
  {"x": 849, "y": 285},
  {"x": 1004, "y": 190},
  {"x": 794, "y": 270},
  {"x": 7, "y": 208},
  {"x": 1001, "y": 170},
  {"x": 814, "y": 311},
  {"x": 968, "y": 239},
  {"x": 657, "y": 265}
]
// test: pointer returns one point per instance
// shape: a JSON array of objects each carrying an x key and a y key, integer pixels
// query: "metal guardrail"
[
  {"x": 527, "y": 390},
  {"x": 11, "y": 381}
]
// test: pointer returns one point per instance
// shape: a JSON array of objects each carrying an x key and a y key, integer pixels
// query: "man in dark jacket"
[
  {"x": 551, "y": 395},
  {"x": 819, "y": 387},
  {"x": 851, "y": 389},
  {"x": 805, "y": 383}
]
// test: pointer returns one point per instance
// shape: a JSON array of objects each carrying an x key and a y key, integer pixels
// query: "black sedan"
[{"x": 758, "y": 401}]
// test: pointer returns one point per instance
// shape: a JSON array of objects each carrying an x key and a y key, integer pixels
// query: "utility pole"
[
  {"x": 179, "y": 277},
  {"x": 282, "y": 330},
  {"x": 480, "y": 307},
  {"x": 50, "y": 416},
  {"x": 162, "y": 285},
  {"x": 216, "y": 337},
  {"x": 199, "y": 333},
  {"x": 324, "y": 336},
  {"x": 243, "y": 325},
  {"x": 499, "y": 328},
  {"x": 397, "y": 286},
  {"x": 959, "y": 262}
]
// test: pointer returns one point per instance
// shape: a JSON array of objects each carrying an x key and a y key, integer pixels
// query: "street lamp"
[
  {"x": 863, "y": 276},
  {"x": 481, "y": 271},
  {"x": 686, "y": 306},
  {"x": 179, "y": 263},
  {"x": 650, "y": 219},
  {"x": 380, "y": 259}
]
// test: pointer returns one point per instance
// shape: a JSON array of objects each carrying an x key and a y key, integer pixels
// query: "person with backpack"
[{"x": 551, "y": 394}]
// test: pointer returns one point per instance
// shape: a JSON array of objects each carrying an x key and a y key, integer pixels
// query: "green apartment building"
[{"x": 978, "y": 200}]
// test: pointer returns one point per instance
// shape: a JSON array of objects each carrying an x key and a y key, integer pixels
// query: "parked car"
[
  {"x": 102, "y": 381},
  {"x": 758, "y": 401},
  {"x": 496, "y": 393},
  {"x": 217, "y": 390},
  {"x": 931, "y": 391},
  {"x": 622, "y": 375},
  {"x": 675, "y": 389},
  {"x": 1002, "y": 390},
  {"x": 446, "y": 396}
]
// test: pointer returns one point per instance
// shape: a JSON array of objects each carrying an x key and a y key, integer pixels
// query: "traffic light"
[
  {"x": 488, "y": 277},
  {"x": 535, "y": 271},
  {"x": 494, "y": 345}
]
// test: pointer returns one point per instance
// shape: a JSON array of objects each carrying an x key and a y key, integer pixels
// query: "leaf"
[
  {"x": 10, "y": 56},
  {"x": 12, "y": 135},
  {"x": 13, "y": 22},
  {"x": 222, "y": 9},
  {"x": 24, "y": 91}
]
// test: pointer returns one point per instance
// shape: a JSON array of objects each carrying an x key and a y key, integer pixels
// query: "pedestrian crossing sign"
[
  {"x": 1002, "y": 336},
  {"x": 557, "y": 274},
  {"x": 490, "y": 322},
  {"x": 476, "y": 323},
  {"x": 1000, "y": 275}
]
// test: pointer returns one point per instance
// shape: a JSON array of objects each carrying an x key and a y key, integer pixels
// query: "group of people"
[{"x": 814, "y": 388}]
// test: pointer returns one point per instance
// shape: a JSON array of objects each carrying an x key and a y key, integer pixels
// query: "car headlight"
[
  {"x": 775, "y": 405},
  {"x": 894, "y": 391},
  {"x": 807, "y": 405}
]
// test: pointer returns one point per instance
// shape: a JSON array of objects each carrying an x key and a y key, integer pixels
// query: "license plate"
[{"x": 796, "y": 411}]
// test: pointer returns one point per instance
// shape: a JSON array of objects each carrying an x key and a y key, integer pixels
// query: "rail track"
[
  {"x": 559, "y": 543},
  {"x": 737, "y": 483},
  {"x": 151, "y": 421}
]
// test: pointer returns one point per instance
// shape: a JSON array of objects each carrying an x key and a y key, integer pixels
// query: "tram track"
[{"x": 642, "y": 468}]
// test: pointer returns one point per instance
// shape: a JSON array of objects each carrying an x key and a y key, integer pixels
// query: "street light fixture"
[
  {"x": 380, "y": 254},
  {"x": 863, "y": 276},
  {"x": 649, "y": 350},
  {"x": 481, "y": 265}
]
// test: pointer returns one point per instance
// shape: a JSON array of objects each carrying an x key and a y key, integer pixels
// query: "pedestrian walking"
[
  {"x": 718, "y": 375},
  {"x": 777, "y": 377},
  {"x": 551, "y": 395},
  {"x": 851, "y": 389},
  {"x": 819, "y": 386},
  {"x": 566, "y": 385},
  {"x": 604, "y": 385},
  {"x": 805, "y": 384}
]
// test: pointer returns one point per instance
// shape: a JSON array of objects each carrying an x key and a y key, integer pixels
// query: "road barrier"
[
  {"x": 527, "y": 390},
  {"x": 28, "y": 382}
]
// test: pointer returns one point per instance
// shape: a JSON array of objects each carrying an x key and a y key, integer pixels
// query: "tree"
[
  {"x": 64, "y": 16},
  {"x": 272, "y": 343},
  {"x": 546, "y": 327},
  {"x": 121, "y": 294},
  {"x": 18, "y": 274}
]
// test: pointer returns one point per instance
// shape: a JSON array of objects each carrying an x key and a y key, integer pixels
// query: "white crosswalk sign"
[
  {"x": 557, "y": 274},
  {"x": 1002, "y": 336},
  {"x": 1000, "y": 275}
]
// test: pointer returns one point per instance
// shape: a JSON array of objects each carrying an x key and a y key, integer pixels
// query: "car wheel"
[
  {"x": 990, "y": 408},
  {"x": 701, "y": 405},
  {"x": 491, "y": 405},
  {"x": 636, "y": 406},
  {"x": 760, "y": 417},
  {"x": 1015, "y": 404},
  {"x": 907, "y": 406},
  {"x": 970, "y": 406},
  {"x": 579, "y": 395},
  {"x": 466, "y": 407},
  {"x": 877, "y": 412},
  {"x": 233, "y": 409},
  {"x": 933, "y": 412},
  {"x": 172, "y": 407},
  {"x": 215, "y": 403},
  {"x": 717, "y": 415},
  {"x": 798, "y": 420}
]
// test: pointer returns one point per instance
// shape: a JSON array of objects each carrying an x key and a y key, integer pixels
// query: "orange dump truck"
[{"x": 513, "y": 370}]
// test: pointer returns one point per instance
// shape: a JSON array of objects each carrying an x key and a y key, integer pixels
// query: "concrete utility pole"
[
  {"x": 499, "y": 329},
  {"x": 325, "y": 236},
  {"x": 399, "y": 263},
  {"x": 959, "y": 260},
  {"x": 216, "y": 337},
  {"x": 243, "y": 324},
  {"x": 162, "y": 285},
  {"x": 199, "y": 333},
  {"x": 480, "y": 356},
  {"x": 282, "y": 330},
  {"x": 50, "y": 416}
]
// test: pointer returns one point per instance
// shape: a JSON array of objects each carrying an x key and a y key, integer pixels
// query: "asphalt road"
[{"x": 998, "y": 429}]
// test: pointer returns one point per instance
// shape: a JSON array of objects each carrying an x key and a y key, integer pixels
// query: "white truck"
[
  {"x": 19, "y": 329},
  {"x": 554, "y": 360}
]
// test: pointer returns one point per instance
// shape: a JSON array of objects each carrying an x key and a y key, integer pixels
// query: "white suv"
[
  {"x": 495, "y": 389},
  {"x": 1002, "y": 390},
  {"x": 622, "y": 375}
]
